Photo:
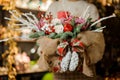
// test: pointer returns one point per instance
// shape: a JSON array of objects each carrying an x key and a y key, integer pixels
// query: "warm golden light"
[
  {"x": 9, "y": 33},
  {"x": 8, "y": 4},
  {"x": 104, "y": 2}
]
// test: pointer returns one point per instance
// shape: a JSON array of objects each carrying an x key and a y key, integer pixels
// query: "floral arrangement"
[{"x": 65, "y": 27}]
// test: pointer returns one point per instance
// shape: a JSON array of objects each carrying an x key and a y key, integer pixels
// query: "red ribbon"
[
  {"x": 61, "y": 49},
  {"x": 77, "y": 45}
]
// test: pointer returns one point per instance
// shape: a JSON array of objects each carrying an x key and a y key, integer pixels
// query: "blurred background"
[{"x": 107, "y": 69}]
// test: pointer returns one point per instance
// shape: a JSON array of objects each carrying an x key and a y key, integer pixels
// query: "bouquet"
[
  {"x": 70, "y": 52},
  {"x": 63, "y": 27}
]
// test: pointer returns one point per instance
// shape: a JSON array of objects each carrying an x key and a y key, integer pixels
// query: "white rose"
[
  {"x": 56, "y": 21},
  {"x": 58, "y": 28}
]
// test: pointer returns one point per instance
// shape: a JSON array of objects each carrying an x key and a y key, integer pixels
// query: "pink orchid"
[{"x": 79, "y": 20}]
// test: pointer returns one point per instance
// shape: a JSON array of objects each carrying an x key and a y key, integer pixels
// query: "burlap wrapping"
[{"x": 94, "y": 49}]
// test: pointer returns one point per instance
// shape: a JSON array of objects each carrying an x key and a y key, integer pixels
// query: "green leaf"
[
  {"x": 73, "y": 22},
  {"x": 58, "y": 35},
  {"x": 69, "y": 33},
  {"x": 64, "y": 36},
  {"x": 89, "y": 22},
  {"x": 78, "y": 28},
  {"x": 74, "y": 32},
  {"x": 52, "y": 35},
  {"x": 37, "y": 34}
]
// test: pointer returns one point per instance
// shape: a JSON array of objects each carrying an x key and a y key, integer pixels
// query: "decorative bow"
[{"x": 69, "y": 53}]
